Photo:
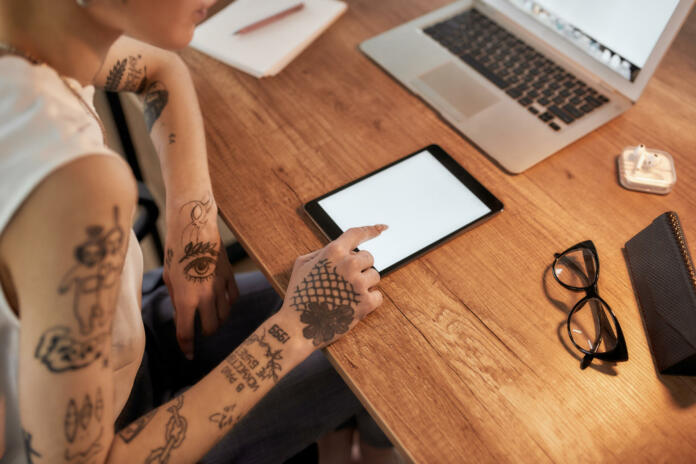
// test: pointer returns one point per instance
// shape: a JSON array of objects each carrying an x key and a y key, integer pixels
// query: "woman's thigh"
[{"x": 309, "y": 401}]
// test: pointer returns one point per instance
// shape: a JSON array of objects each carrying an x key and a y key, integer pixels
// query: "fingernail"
[{"x": 382, "y": 227}]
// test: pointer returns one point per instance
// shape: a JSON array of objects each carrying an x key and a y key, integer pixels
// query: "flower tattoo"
[
  {"x": 326, "y": 301},
  {"x": 323, "y": 323}
]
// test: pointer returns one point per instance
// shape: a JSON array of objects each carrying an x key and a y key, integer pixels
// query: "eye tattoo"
[
  {"x": 200, "y": 256},
  {"x": 200, "y": 269}
]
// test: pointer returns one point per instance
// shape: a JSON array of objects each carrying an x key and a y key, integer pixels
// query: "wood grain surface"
[{"x": 467, "y": 360}]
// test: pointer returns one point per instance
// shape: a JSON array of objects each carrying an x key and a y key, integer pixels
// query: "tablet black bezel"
[{"x": 332, "y": 231}]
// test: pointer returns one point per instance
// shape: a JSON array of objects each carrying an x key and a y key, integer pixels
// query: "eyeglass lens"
[
  {"x": 592, "y": 328},
  {"x": 577, "y": 268}
]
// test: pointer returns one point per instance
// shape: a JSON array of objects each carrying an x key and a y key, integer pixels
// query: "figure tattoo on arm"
[
  {"x": 326, "y": 301},
  {"x": 174, "y": 434},
  {"x": 99, "y": 262}
]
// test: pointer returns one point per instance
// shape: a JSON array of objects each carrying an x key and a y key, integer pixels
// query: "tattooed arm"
[
  {"x": 64, "y": 250},
  {"x": 329, "y": 292},
  {"x": 197, "y": 271},
  {"x": 66, "y": 278}
]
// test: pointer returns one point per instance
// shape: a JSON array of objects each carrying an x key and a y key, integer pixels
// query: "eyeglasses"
[{"x": 592, "y": 325}]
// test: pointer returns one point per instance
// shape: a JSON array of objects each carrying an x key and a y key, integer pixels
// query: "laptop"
[{"x": 521, "y": 79}]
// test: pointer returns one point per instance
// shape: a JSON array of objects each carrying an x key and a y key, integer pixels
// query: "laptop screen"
[{"x": 620, "y": 34}]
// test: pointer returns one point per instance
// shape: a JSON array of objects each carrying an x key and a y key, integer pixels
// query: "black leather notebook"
[{"x": 663, "y": 278}]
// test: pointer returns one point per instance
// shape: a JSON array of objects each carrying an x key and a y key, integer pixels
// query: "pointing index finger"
[{"x": 357, "y": 235}]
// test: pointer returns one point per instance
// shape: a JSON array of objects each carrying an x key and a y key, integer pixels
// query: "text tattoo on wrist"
[
  {"x": 272, "y": 367},
  {"x": 99, "y": 263},
  {"x": 326, "y": 301},
  {"x": 279, "y": 334},
  {"x": 245, "y": 370}
]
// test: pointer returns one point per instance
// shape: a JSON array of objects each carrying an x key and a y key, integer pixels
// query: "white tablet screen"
[{"x": 418, "y": 198}]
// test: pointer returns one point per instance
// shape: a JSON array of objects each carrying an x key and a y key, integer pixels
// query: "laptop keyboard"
[{"x": 549, "y": 92}]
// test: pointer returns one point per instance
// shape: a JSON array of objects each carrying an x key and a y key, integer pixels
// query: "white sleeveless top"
[{"x": 42, "y": 127}]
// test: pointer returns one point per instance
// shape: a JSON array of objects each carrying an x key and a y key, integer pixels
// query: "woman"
[{"x": 72, "y": 338}]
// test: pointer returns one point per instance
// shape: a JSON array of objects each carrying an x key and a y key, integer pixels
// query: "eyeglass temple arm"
[{"x": 586, "y": 361}]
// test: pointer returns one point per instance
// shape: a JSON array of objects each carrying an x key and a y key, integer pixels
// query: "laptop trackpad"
[{"x": 450, "y": 86}]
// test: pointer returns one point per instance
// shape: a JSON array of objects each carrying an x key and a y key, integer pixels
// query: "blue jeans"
[{"x": 309, "y": 401}]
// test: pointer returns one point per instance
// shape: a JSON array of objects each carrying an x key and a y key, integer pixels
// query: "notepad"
[{"x": 267, "y": 50}]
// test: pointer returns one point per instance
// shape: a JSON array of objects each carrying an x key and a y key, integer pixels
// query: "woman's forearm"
[
  {"x": 173, "y": 117},
  {"x": 186, "y": 427}
]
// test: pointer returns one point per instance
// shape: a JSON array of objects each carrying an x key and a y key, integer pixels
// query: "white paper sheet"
[{"x": 267, "y": 50}]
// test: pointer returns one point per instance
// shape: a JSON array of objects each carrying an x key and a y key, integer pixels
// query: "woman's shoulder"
[
  {"x": 86, "y": 186},
  {"x": 35, "y": 98},
  {"x": 43, "y": 127},
  {"x": 25, "y": 82}
]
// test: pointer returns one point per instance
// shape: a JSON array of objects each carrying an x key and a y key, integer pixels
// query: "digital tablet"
[{"x": 426, "y": 198}]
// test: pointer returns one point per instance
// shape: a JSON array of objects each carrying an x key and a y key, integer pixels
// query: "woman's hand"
[
  {"x": 332, "y": 289},
  {"x": 197, "y": 272}
]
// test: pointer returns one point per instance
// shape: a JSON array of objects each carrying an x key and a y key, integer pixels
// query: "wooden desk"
[{"x": 467, "y": 359}]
